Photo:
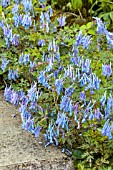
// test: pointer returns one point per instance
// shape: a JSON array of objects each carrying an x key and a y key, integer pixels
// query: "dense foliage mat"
[{"x": 61, "y": 78}]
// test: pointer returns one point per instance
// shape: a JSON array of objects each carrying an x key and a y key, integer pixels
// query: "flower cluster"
[{"x": 55, "y": 76}]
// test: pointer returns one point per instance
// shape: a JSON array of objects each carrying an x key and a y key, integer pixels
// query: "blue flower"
[
  {"x": 43, "y": 80},
  {"x": 47, "y": 17},
  {"x": 32, "y": 92},
  {"x": 100, "y": 26},
  {"x": 86, "y": 65},
  {"x": 13, "y": 74},
  {"x": 41, "y": 43},
  {"x": 4, "y": 64},
  {"x": 106, "y": 130},
  {"x": 51, "y": 135},
  {"x": 66, "y": 105},
  {"x": 27, "y": 5},
  {"x": 69, "y": 91},
  {"x": 98, "y": 114},
  {"x": 61, "y": 20},
  {"x": 8, "y": 93},
  {"x": 15, "y": 9},
  {"x": 106, "y": 70},
  {"x": 37, "y": 131},
  {"x": 16, "y": 19},
  {"x": 14, "y": 98},
  {"x": 103, "y": 99},
  {"x": 15, "y": 40},
  {"x": 24, "y": 58},
  {"x": 59, "y": 85},
  {"x": 62, "y": 120},
  {"x": 78, "y": 39},
  {"x": 27, "y": 21},
  {"x": 2, "y": 24},
  {"x": 86, "y": 40},
  {"x": 5, "y": 3},
  {"x": 82, "y": 96}
]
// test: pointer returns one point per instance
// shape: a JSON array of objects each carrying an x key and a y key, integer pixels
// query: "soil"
[{"x": 20, "y": 150}]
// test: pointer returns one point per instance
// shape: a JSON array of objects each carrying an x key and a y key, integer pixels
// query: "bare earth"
[{"x": 20, "y": 150}]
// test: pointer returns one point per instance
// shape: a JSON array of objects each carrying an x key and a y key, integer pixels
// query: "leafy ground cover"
[{"x": 61, "y": 78}]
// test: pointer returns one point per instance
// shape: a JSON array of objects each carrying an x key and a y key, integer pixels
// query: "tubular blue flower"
[
  {"x": 27, "y": 5},
  {"x": 75, "y": 109},
  {"x": 37, "y": 131},
  {"x": 107, "y": 111},
  {"x": 106, "y": 130},
  {"x": 32, "y": 65},
  {"x": 24, "y": 58},
  {"x": 24, "y": 100},
  {"x": 16, "y": 1},
  {"x": 82, "y": 96},
  {"x": 29, "y": 125},
  {"x": 86, "y": 65},
  {"x": 93, "y": 83},
  {"x": 21, "y": 94},
  {"x": 66, "y": 105},
  {"x": 47, "y": 17},
  {"x": 89, "y": 106},
  {"x": 15, "y": 40},
  {"x": 4, "y": 64},
  {"x": 52, "y": 46},
  {"x": 83, "y": 80},
  {"x": 62, "y": 121},
  {"x": 86, "y": 41},
  {"x": 100, "y": 26},
  {"x": 32, "y": 92},
  {"x": 50, "y": 64},
  {"x": 15, "y": 9},
  {"x": 42, "y": 18},
  {"x": 51, "y": 136},
  {"x": 61, "y": 20},
  {"x": 76, "y": 60},
  {"x": 56, "y": 72},
  {"x": 14, "y": 98},
  {"x": 78, "y": 39},
  {"x": 42, "y": 79},
  {"x": 41, "y": 43},
  {"x": 50, "y": 11},
  {"x": 69, "y": 91},
  {"x": 33, "y": 106},
  {"x": 16, "y": 19},
  {"x": 59, "y": 85},
  {"x": 8, "y": 93},
  {"x": 13, "y": 74},
  {"x": 98, "y": 114},
  {"x": 69, "y": 72},
  {"x": 27, "y": 21},
  {"x": 25, "y": 115},
  {"x": 2, "y": 24},
  {"x": 96, "y": 82},
  {"x": 107, "y": 70},
  {"x": 5, "y": 3},
  {"x": 20, "y": 19},
  {"x": 103, "y": 99},
  {"x": 7, "y": 31}
]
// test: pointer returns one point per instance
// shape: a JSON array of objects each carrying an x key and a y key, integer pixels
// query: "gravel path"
[{"x": 20, "y": 150}]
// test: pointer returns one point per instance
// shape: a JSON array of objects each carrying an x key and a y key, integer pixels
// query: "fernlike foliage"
[{"x": 61, "y": 78}]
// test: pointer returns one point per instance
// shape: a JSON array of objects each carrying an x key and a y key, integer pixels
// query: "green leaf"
[
  {"x": 92, "y": 32},
  {"x": 111, "y": 15},
  {"x": 76, "y": 4},
  {"x": 80, "y": 167},
  {"x": 77, "y": 154},
  {"x": 0, "y": 9}
]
